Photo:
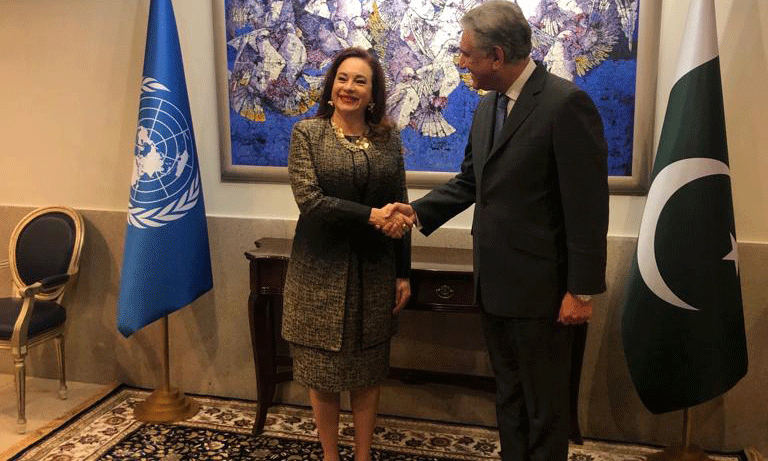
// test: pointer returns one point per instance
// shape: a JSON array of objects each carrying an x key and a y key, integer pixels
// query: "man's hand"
[
  {"x": 573, "y": 311},
  {"x": 402, "y": 209},
  {"x": 402, "y": 294},
  {"x": 391, "y": 222}
]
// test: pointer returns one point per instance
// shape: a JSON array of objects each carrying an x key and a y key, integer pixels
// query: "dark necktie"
[{"x": 501, "y": 114}]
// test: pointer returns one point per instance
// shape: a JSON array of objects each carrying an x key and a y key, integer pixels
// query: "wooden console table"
[{"x": 444, "y": 286}]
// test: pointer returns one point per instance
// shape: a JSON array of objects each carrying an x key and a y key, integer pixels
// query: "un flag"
[{"x": 166, "y": 262}]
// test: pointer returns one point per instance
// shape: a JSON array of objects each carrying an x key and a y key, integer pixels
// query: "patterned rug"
[{"x": 221, "y": 431}]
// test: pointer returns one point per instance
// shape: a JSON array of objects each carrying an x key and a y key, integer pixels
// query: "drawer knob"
[{"x": 444, "y": 292}]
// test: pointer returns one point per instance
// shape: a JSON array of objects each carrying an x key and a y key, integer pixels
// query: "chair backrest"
[{"x": 45, "y": 242}]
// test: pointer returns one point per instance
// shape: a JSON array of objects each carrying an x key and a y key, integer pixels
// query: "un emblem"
[{"x": 166, "y": 183}]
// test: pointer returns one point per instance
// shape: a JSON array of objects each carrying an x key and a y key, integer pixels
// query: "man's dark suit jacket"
[{"x": 541, "y": 199}]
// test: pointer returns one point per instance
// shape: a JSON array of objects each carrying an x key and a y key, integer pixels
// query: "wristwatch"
[{"x": 584, "y": 298}]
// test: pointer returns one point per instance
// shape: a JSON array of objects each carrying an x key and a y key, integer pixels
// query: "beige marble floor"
[{"x": 45, "y": 411}]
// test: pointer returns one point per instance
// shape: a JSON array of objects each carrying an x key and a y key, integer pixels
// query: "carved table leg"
[{"x": 261, "y": 316}]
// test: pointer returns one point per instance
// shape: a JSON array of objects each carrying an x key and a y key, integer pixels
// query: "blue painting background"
[{"x": 611, "y": 84}]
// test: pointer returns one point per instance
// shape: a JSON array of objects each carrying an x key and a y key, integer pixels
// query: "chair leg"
[
  {"x": 20, "y": 376},
  {"x": 59, "y": 341}
]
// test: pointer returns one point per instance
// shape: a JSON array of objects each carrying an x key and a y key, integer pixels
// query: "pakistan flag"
[{"x": 683, "y": 324}]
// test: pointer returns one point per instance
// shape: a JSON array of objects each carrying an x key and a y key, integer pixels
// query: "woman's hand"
[
  {"x": 402, "y": 294},
  {"x": 392, "y": 223}
]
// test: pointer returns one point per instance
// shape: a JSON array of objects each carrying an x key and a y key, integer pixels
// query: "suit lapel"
[
  {"x": 481, "y": 146},
  {"x": 522, "y": 108}
]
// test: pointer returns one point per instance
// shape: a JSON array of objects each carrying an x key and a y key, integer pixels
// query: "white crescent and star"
[
  {"x": 667, "y": 182},
  {"x": 734, "y": 254}
]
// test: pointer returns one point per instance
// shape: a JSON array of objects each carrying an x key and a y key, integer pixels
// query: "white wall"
[{"x": 69, "y": 87}]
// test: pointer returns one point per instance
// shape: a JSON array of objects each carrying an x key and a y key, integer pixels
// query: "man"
[{"x": 540, "y": 189}]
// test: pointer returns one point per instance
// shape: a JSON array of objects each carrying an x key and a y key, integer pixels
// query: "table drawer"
[{"x": 433, "y": 290}]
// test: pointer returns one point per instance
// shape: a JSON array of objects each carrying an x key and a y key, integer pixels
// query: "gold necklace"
[{"x": 361, "y": 142}]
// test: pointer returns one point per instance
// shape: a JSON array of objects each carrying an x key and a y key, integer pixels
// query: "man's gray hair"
[{"x": 499, "y": 23}]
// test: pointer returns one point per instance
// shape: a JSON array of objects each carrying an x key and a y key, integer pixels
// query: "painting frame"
[{"x": 644, "y": 114}]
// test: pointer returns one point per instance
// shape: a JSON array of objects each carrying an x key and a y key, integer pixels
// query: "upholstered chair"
[{"x": 43, "y": 258}]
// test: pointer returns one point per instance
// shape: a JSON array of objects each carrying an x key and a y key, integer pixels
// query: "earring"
[
  {"x": 371, "y": 106},
  {"x": 330, "y": 103}
]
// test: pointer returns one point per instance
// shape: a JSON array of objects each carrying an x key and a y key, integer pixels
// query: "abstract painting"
[{"x": 278, "y": 50}]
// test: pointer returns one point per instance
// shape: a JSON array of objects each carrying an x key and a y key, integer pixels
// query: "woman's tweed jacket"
[{"x": 333, "y": 222}]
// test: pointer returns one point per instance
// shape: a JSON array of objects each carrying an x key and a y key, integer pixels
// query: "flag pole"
[
  {"x": 165, "y": 405},
  {"x": 686, "y": 428},
  {"x": 687, "y": 452}
]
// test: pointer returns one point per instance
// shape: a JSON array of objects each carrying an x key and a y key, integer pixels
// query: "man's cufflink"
[{"x": 584, "y": 298}]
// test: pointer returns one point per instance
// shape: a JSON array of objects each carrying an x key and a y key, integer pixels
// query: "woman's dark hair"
[{"x": 376, "y": 117}]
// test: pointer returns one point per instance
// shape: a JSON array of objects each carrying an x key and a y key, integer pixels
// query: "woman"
[{"x": 346, "y": 281}]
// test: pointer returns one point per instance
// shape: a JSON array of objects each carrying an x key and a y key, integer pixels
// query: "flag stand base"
[
  {"x": 677, "y": 453},
  {"x": 686, "y": 452},
  {"x": 165, "y": 406}
]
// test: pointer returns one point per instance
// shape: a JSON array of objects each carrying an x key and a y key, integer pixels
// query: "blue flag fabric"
[
  {"x": 683, "y": 322},
  {"x": 166, "y": 262}
]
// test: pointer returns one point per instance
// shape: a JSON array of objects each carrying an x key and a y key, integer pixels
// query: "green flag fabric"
[{"x": 683, "y": 323}]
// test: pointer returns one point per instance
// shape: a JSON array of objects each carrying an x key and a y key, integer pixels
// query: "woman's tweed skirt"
[{"x": 352, "y": 367}]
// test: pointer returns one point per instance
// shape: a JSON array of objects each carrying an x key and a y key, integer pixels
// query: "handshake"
[{"x": 394, "y": 219}]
